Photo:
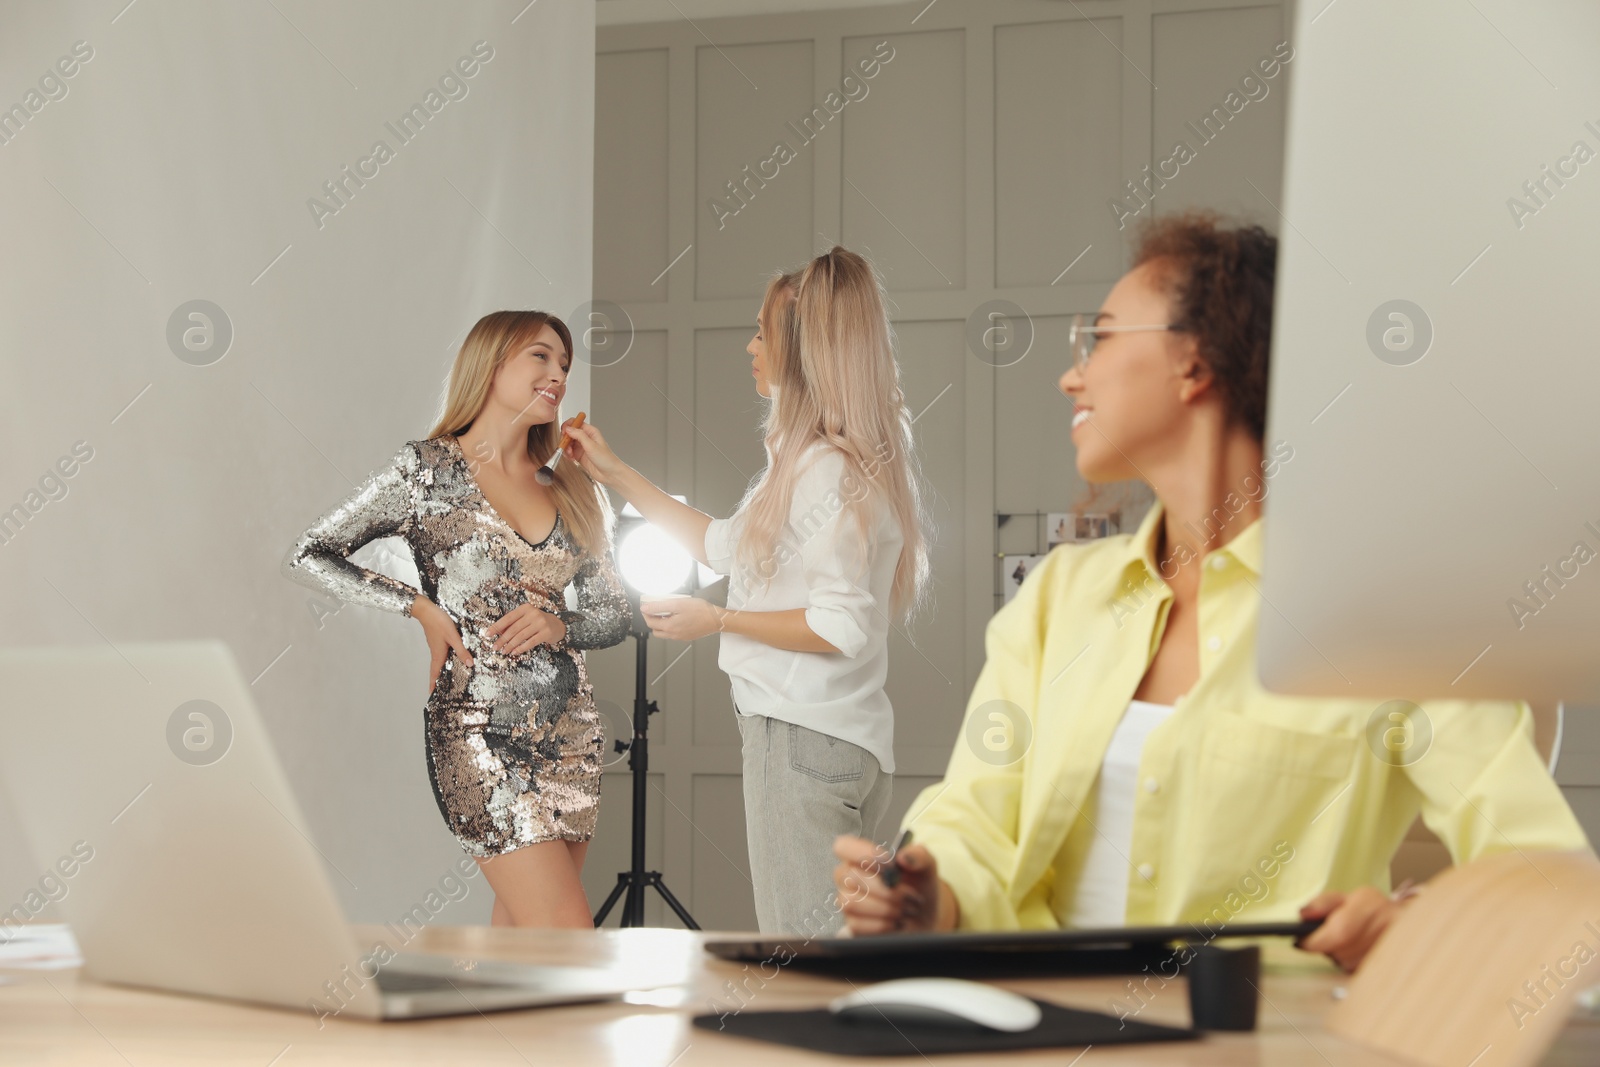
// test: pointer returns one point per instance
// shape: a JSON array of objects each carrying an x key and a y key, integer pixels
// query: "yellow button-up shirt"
[{"x": 1248, "y": 803}]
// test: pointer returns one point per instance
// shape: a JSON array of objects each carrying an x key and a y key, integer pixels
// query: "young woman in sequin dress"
[{"x": 513, "y": 735}]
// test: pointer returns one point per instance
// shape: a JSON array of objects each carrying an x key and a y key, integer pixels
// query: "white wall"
[{"x": 177, "y": 167}]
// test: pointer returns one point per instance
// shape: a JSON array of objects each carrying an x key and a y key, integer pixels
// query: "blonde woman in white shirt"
[{"x": 826, "y": 547}]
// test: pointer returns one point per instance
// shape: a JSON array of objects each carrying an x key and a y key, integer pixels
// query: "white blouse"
[{"x": 843, "y": 586}]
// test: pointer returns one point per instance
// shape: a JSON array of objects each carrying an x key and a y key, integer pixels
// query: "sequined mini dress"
[{"x": 514, "y": 742}]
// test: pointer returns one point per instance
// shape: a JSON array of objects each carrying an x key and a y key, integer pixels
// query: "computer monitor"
[{"x": 1436, "y": 355}]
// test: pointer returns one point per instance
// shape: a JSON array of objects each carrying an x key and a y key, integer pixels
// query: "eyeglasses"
[{"x": 1083, "y": 335}]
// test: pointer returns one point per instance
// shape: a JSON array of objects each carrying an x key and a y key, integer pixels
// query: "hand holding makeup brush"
[{"x": 587, "y": 446}]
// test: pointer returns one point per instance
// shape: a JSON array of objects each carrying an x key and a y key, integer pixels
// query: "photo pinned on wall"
[
  {"x": 1060, "y": 527},
  {"x": 1064, "y": 527},
  {"x": 1013, "y": 569},
  {"x": 1091, "y": 527}
]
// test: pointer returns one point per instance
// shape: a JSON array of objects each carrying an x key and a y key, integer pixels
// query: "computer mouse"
[{"x": 939, "y": 1002}]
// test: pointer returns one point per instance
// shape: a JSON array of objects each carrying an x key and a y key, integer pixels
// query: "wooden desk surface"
[{"x": 54, "y": 1017}]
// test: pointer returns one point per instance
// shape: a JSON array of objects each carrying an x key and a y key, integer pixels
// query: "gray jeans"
[{"x": 801, "y": 790}]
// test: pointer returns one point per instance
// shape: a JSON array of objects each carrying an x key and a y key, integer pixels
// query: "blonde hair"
[
  {"x": 833, "y": 376},
  {"x": 496, "y": 337}
]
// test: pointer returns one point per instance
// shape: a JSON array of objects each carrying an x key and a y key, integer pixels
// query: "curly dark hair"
[{"x": 1220, "y": 280}]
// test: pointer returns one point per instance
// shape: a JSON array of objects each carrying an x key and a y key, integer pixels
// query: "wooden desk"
[{"x": 54, "y": 1017}]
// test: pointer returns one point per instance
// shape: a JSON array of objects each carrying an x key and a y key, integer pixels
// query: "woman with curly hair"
[{"x": 1160, "y": 783}]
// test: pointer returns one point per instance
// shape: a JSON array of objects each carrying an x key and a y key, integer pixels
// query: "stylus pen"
[{"x": 890, "y": 872}]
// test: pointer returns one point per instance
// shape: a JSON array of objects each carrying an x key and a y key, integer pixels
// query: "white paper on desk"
[{"x": 40, "y": 947}]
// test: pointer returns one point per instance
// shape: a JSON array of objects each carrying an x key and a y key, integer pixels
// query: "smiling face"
[
  {"x": 1132, "y": 402},
  {"x": 530, "y": 383}
]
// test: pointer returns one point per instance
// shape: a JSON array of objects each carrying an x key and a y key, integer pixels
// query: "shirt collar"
[{"x": 1244, "y": 548}]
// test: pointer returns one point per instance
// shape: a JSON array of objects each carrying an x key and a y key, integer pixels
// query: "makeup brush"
[{"x": 546, "y": 474}]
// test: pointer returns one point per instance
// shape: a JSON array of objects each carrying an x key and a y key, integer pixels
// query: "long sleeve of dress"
[
  {"x": 383, "y": 506},
  {"x": 602, "y": 615}
]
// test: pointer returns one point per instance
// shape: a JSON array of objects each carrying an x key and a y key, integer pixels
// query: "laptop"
[{"x": 145, "y": 772}]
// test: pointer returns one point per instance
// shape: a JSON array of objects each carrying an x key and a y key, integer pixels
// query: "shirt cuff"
[
  {"x": 719, "y": 546},
  {"x": 981, "y": 901},
  {"x": 836, "y": 627}
]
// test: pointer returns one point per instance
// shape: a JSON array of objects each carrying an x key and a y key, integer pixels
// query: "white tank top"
[{"x": 1101, "y": 898}]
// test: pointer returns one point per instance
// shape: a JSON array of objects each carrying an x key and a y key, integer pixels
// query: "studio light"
[
  {"x": 652, "y": 565},
  {"x": 652, "y": 562}
]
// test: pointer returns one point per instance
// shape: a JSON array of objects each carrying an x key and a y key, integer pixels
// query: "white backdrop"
[{"x": 170, "y": 151}]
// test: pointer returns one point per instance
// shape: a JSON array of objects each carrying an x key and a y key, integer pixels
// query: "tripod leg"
[
  {"x": 672, "y": 901},
  {"x": 605, "y": 909}
]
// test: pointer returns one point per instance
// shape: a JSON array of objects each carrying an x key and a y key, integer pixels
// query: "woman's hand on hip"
[
  {"x": 442, "y": 635},
  {"x": 524, "y": 627},
  {"x": 872, "y": 906},
  {"x": 682, "y": 618},
  {"x": 588, "y": 446}
]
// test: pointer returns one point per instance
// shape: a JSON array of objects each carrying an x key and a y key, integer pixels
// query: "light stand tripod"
[{"x": 636, "y": 878}]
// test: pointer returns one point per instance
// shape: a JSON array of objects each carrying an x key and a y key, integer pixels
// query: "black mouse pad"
[{"x": 823, "y": 1031}]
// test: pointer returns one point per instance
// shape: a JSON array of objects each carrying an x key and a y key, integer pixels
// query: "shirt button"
[
  {"x": 1146, "y": 871},
  {"x": 1214, "y": 643},
  {"x": 1151, "y": 785},
  {"x": 1219, "y": 563}
]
